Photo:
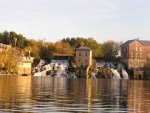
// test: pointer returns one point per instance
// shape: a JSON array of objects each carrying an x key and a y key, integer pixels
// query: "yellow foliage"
[{"x": 9, "y": 60}]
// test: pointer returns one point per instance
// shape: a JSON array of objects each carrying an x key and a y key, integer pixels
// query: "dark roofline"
[
  {"x": 83, "y": 48},
  {"x": 63, "y": 55},
  {"x": 127, "y": 42},
  {"x": 143, "y": 42}
]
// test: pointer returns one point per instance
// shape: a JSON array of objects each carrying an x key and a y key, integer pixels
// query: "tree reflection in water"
[{"x": 48, "y": 94}]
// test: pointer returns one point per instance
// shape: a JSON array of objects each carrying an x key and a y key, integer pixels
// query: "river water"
[{"x": 30, "y": 94}]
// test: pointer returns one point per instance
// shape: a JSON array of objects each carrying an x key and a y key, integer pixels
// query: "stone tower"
[{"x": 83, "y": 59}]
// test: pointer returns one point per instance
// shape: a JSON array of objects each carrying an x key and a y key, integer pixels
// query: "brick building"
[{"x": 135, "y": 52}]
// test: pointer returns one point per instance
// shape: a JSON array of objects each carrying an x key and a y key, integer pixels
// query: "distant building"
[
  {"x": 4, "y": 47},
  {"x": 24, "y": 66},
  {"x": 25, "y": 62},
  {"x": 135, "y": 52},
  {"x": 83, "y": 56}
]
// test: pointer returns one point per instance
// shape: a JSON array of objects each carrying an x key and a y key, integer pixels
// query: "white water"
[
  {"x": 116, "y": 75},
  {"x": 57, "y": 67},
  {"x": 125, "y": 74},
  {"x": 114, "y": 67}
]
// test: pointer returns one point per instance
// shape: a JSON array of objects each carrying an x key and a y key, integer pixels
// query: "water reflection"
[
  {"x": 139, "y": 96},
  {"x": 14, "y": 91},
  {"x": 48, "y": 94}
]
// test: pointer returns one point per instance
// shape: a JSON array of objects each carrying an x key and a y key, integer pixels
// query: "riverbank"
[{"x": 15, "y": 74}]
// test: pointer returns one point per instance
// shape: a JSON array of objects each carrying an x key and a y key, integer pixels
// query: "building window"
[
  {"x": 136, "y": 55},
  {"x": 79, "y": 53},
  {"x": 127, "y": 48},
  {"x": 85, "y": 53},
  {"x": 140, "y": 55},
  {"x": 131, "y": 54},
  {"x": 79, "y": 60},
  {"x": 136, "y": 48},
  {"x": 86, "y": 61},
  {"x": 140, "y": 49}
]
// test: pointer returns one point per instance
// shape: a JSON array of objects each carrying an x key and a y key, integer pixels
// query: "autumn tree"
[
  {"x": 89, "y": 42},
  {"x": 63, "y": 48},
  {"x": 9, "y": 60},
  {"x": 34, "y": 48}
]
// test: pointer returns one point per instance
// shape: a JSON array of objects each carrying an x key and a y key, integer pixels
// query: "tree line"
[
  {"x": 46, "y": 50},
  {"x": 39, "y": 49}
]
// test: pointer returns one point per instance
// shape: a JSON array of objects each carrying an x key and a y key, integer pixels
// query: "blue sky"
[{"x": 118, "y": 20}]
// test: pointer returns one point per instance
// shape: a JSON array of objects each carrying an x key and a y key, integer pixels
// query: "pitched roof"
[
  {"x": 83, "y": 48},
  {"x": 143, "y": 42},
  {"x": 127, "y": 42}
]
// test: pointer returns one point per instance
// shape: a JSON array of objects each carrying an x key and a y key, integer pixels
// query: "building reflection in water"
[
  {"x": 139, "y": 96},
  {"x": 111, "y": 94},
  {"x": 51, "y": 94},
  {"x": 14, "y": 91},
  {"x": 90, "y": 94}
]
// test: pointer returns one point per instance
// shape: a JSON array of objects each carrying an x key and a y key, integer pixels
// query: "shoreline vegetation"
[{"x": 39, "y": 49}]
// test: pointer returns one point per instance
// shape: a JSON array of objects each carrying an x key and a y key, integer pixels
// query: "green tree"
[
  {"x": 5, "y": 37},
  {"x": 74, "y": 42},
  {"x": 14, "y": 39},
  {"x": 95, "y": 46},
  {"x": 47, "y": 51},
  {"x": 110, "y": 50}
]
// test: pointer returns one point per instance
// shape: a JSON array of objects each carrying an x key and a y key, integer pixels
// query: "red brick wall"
[{"x": 131, "y": 48}]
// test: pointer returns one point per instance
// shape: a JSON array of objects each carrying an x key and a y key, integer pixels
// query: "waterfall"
[
  {"x": 125, "y": 74},
  {"x": 116, "y": 74},
  {"x": 117, "y": 69},
  {"x": 57, "y": 68}
]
